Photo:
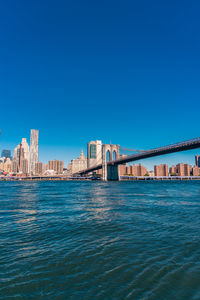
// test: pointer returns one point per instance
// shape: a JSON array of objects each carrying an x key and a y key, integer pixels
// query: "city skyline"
[{"x": 167, "y": 159}]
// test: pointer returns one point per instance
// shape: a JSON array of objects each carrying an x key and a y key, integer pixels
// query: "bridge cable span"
[
  {"x": 131, "y": 150},
  {"x": 172, "y": 148}
]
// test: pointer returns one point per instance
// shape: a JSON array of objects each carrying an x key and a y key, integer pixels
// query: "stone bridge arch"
[{"x": 110, "y": 172}]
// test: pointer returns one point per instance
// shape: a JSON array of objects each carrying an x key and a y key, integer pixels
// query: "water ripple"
[{"x": 94, "y": 240}]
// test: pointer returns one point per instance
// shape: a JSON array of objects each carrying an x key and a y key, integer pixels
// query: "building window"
[{"x": 93, "y": 151}]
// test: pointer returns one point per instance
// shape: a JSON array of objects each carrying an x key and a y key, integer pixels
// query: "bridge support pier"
[{"x": 112, "y": 173}]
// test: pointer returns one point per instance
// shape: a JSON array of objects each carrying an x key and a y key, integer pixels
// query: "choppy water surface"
[{"x": 93, "y": 240}]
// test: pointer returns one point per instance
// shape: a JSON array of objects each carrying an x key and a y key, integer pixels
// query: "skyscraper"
[
  {"x": 6, "y": 153},
  {"x": 94, "y": 155},
  {"x": 33, "y": 150},
  {"x": 197, "y": 160},
  {"x": 22, "y": 152}
]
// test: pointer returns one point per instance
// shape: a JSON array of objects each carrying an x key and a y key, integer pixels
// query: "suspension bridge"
[{"x": 110, "y": 168}]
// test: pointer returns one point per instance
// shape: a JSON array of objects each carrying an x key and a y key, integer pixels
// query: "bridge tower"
[{"x": 109, "y": 152}]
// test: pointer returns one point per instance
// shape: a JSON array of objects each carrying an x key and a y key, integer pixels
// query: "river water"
[{"x": 95, "y": 240}]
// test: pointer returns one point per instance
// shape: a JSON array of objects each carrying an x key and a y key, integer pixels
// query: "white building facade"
[
  {"x": 78, "y": 164},
  {"x": 34, "y": 150}
]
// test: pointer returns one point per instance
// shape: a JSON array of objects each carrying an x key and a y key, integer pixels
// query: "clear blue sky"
[{"x": 120, "y": 71}]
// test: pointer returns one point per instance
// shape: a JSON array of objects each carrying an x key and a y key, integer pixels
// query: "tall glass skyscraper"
[
  {"x": 6, "y": 153},
  {"x": 197, "y": 160},
  {"x": 33, "y": 150}
]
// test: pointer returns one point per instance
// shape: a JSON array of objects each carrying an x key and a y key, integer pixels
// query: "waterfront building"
[
  {"x": 25, "y": 166},
  {"x": 135, "y": 170},
  {"x": 21, "y": 152},
  {"x": 122, "y": 170},
  {"x": 14, "y": 166},
  {"x": 142, "y": 171},
  {"x": 151, "y": 173},
  {"x": 196, "y": 171},
  {"x": 56, "y": 165},
  {"x": 33, "y": 150},
  {"x": 161, "y": 170},
  {"x": 19, "y": 156},
  {"x": 6, "y": 153},
  {"x": 78, "y": 164},
  {"x": 132, "y": 170},
  {"x": 172, "y": 170},
  {"x": 197, "y": 160},
  {"x": 69, "y": 168},
  {"x": 183, "y": 169},
  {"x": 7, "y": 166},
  {"x": 128, "y": 170},
  {"x": 44, "y": 167},
  {"x": 2, "y": 159},
  {"x": 39, "y": 168},
  {"x": 94, "y": 153},
  {"x": 26, "y": 152}
]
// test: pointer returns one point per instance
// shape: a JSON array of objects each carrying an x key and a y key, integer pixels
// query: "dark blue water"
[{"x": 93, "y": 240}]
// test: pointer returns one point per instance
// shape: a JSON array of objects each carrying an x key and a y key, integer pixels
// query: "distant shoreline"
[{"x": 123, "y": 178}]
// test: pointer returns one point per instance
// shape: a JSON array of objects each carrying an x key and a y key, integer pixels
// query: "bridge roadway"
[{"x": 178, "y": 147}]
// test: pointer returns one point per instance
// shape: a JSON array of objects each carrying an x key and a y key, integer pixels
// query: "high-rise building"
[
  {"x": 14, "y": 166},
  {"x": 94, "y": 153},
  {"x": 136, "y": 170},
  {"x": 19, "y": 156},
  {"x": 38, "y": 168},
  {"x": 56, "y": 165},
  {"x": 197, "y": 160},
  {"x": 25, "y": 146},
  {"x": 183, "y": 169},
  {"x": 6, "y": 153},
  {"x": 128, "y": 170},
  {"x": 161, "y": 170},
  {"x": 195, "y": 171},
  {"x": 25, "y": 166},
  {"x": 142, "y": 171},
  {"x": 17, "y": 153},
  {"x": 33, "y": 150},
  {"x": 21, "y": 152},
  {"x": 122, "y": 169}
]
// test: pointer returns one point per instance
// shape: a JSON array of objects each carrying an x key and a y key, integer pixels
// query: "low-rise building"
[{"x": 7, "y": 166}]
